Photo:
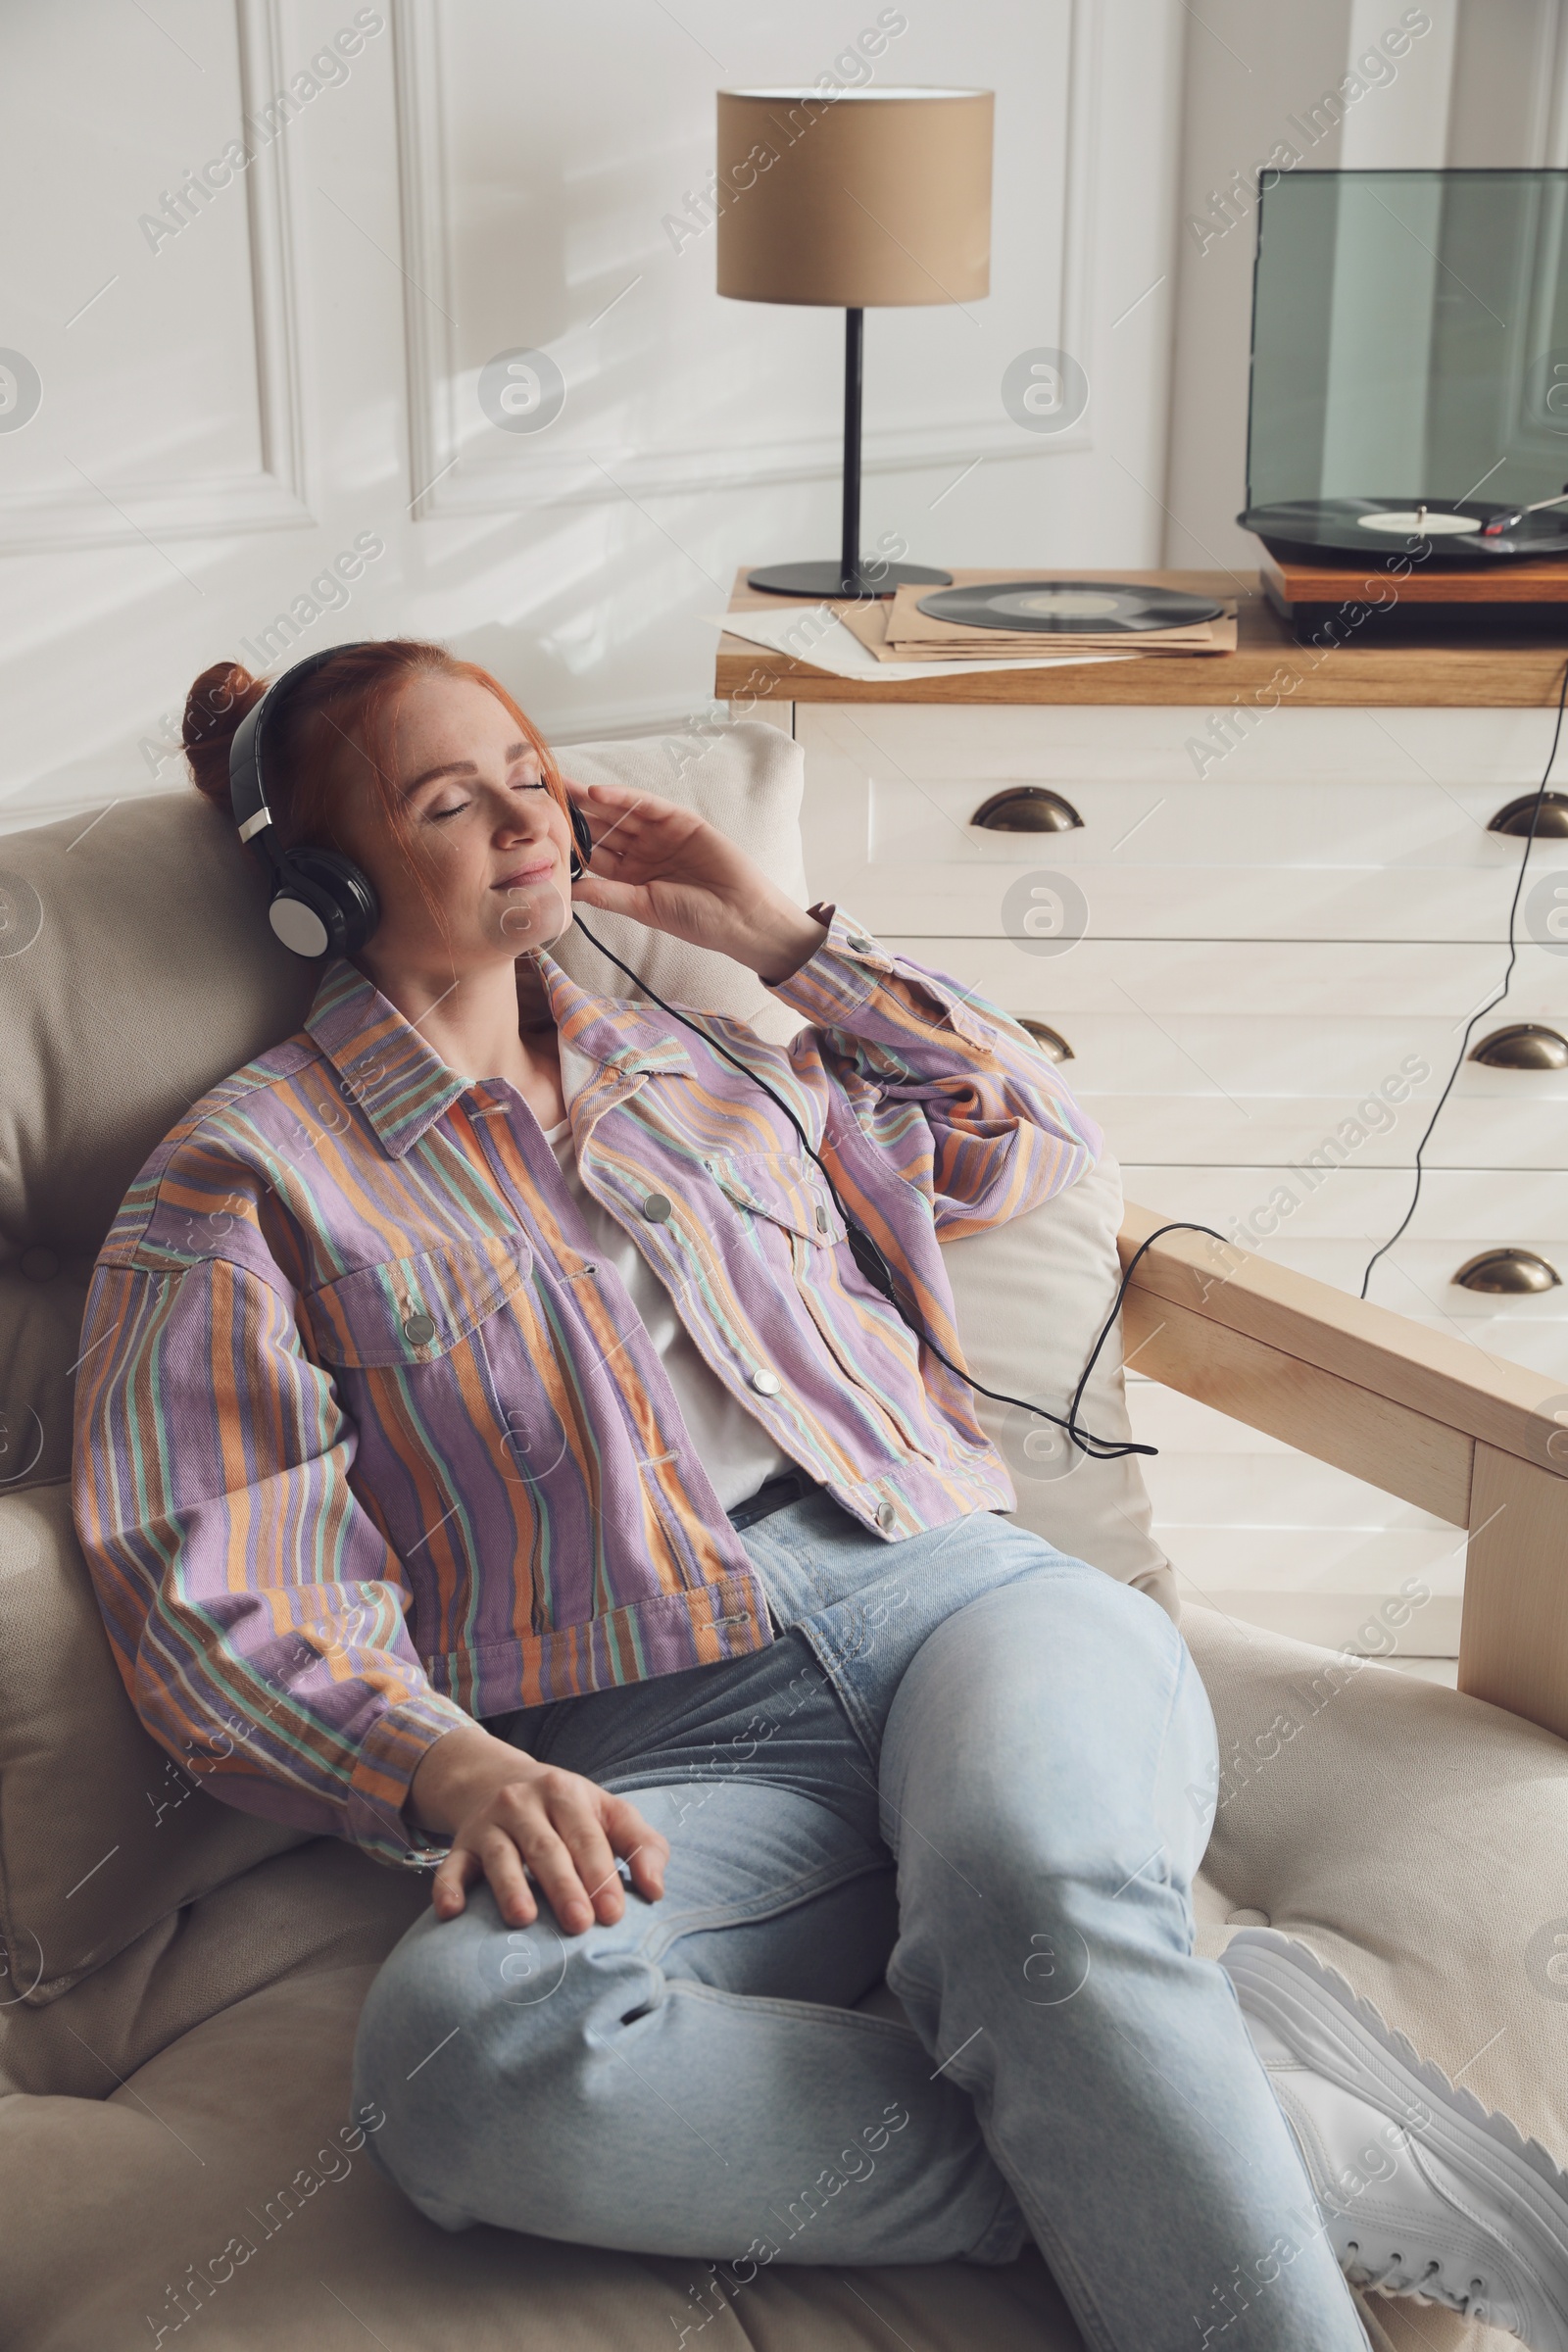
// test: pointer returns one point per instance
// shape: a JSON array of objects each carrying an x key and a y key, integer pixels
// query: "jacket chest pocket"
[
  {"x": 414, "y": 1311},
  {"x": 783, "y": 1188}
]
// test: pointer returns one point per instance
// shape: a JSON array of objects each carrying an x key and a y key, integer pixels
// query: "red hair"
[{"x": 347, "y": 708}]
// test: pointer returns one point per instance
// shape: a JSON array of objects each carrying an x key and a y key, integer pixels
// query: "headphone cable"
[{"x": 1492, "y": 1006}]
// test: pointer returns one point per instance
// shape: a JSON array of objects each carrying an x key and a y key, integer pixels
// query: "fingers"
[
  {"x": 612, "y": 798},
  {"x": 635, "y": 824},
  {"x": 570, "y": 1855},
  {"x": 615, "y": 898},
  {"x": 496, "y": 1852},
  {"x": 566, "y": 1832},
  {"x": 456, "y": 1872},
  {"x": 611, "y": 808},
  {"x": 492, "y": 1855},
  {"x": 646, "y": 1850}
]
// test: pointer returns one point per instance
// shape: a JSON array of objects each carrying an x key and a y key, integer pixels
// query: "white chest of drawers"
[{"x": 1240, "y": 961}]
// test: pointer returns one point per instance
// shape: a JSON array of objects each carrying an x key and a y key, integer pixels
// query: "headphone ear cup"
[
  {"x": 582, "y": 854},
  {"x": 324, "y": 904}
]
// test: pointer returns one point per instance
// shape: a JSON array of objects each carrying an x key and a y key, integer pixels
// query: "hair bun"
[{"x": 214, "y": 707}]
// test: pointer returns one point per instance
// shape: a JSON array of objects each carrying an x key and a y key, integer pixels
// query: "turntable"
[
  {"x": 1434, "y": 530},
  {"x": 1407, "y": 426}
]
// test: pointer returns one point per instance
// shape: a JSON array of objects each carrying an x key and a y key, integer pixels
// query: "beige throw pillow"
[{"x": 1031, "y": 1298}]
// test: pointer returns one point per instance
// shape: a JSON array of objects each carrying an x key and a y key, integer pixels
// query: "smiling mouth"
[{"x": 530, "y": 874}]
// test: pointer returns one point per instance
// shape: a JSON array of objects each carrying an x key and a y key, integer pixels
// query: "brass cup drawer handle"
[
  {"x": 1028, "y": 808},
  {"x": 1551, "y": 823},
  {"x": 1513, "y": 1270},
  {"x": 1051, "y": 1040},
  {"x": 1523, "y": 1045}
]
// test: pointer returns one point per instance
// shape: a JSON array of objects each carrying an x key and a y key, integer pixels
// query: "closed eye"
[{"x": 439, "y": 816}]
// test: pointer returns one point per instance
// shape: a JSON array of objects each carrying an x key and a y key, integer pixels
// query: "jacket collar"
[{"x": 402, "y": 1084}]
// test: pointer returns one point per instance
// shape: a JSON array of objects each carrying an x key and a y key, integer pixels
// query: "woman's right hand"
[{"x": 500, "y": 1810}]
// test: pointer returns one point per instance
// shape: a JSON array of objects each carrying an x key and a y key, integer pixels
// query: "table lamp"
[{"x": 858, "y": 199}]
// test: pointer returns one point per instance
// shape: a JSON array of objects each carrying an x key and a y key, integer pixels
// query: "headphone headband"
[{"x": 247, "y": 789}]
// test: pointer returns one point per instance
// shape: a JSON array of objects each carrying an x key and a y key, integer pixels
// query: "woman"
[{"x": 432, "y": 1369}]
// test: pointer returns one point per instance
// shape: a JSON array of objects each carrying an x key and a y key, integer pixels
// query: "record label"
[{"x": 1069, "y": 607}]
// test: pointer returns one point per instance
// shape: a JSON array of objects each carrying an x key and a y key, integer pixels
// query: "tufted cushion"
[
  {"x": 1412, "y": 1839},
  {"x": 296, "y": 2239},
  {"x": 1404, "y": 1831},
  {"x": 101, "y": 1833}
]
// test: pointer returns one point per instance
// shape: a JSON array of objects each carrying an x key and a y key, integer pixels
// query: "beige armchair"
[{"x": 182, "y": 1981}]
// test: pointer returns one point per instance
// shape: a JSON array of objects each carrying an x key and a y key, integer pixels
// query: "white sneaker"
[{"x": 1424, "y": 2192}]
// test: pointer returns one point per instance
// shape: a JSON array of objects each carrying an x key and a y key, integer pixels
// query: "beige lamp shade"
[{"x": 867, "y": 198}]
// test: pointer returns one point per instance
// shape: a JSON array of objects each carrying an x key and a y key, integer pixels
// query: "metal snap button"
[
  {"x": 418, "y": 1331},
  {"x": 767, "y": 1383},
  {"x": 821, "y": 1218},
  {"x": 657, "y": 1207},
  {"x": 862, "y": 947},
  {"x": 885, "y": 1515}
]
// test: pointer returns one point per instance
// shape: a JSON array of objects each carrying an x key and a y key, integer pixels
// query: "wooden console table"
[{"x": 1504, "y": 670}]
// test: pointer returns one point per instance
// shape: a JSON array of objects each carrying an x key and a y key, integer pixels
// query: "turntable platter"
[{"x": 1446, "y": 531}]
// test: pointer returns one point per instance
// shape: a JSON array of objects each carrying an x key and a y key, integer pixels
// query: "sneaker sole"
[{"x": 1312, "y": 2008}]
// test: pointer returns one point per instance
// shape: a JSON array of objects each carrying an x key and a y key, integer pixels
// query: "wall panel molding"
[
  {"x": 445, "y": 480},
  {"x": 273, "y": 497}
]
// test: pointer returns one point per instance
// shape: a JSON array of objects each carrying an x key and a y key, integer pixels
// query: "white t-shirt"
[{"x": 731, "y": 1443}]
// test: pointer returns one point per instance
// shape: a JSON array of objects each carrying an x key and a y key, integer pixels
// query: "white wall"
[
  {"x": 1483, "y": 82},
  {"x": 228, "y": 410},
  {"x": 294, "y": 375}
]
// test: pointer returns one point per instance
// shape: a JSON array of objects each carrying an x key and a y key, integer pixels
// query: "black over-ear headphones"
[{"x": 322, "y": 901}]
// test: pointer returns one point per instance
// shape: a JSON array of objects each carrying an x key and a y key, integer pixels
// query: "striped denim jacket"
[{"x": 366, "y": 1445}]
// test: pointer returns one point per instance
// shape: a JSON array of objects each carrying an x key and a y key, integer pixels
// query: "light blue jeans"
[{"x": 973, "y": 1763}]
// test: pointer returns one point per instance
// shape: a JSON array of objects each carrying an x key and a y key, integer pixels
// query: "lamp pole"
[
  {"x": 847, "y": 578},
  {"x": 853, "y": 344}
]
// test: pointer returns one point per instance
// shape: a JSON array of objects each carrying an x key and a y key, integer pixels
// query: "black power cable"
[
  {"x": 1492, "y": 1007},
  {"x": 879, "y": 1274}
]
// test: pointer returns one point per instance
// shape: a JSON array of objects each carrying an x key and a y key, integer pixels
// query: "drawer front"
[
  {"x": 1168, "y": 742},
  {"x": 1346, "y": 835},
  {"x": 1264, "y": 1082},
  {"x": 1325, "y": 1133},
  {"x": 1471, "y": 1208},
  {"x": 1286, "y": 979}
]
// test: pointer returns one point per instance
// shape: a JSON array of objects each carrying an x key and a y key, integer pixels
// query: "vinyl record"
[
  {"x": 1443, "y": 531},
  {"x": 1068, "y": 607}
]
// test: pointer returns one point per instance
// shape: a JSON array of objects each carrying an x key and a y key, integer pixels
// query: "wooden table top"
[{"x": 1363, "y": 663}]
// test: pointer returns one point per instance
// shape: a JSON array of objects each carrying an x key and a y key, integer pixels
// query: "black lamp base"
[{"x": 829, "y": 579}]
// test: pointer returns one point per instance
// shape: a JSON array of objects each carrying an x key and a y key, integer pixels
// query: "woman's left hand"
[{"x": 670, "y": 868}]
